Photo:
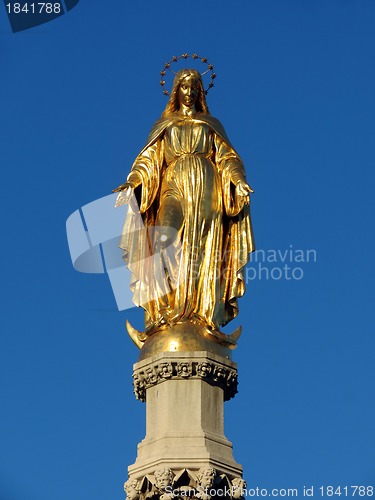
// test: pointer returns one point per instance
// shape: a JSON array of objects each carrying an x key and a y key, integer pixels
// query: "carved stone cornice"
[
  {"x": 213, "y": 369},
  {"x": 206, "y": 483}
]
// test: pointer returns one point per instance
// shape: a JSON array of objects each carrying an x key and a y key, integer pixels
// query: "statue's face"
[
  {"x": 131, "y": 489},
  {"x": 188, "y": 91},
  {"x": 163, "y": 481},
  {"x": 207, "y": 478}
]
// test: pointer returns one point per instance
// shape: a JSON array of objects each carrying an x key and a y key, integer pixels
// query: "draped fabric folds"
[{"x": 188, "y": 171}]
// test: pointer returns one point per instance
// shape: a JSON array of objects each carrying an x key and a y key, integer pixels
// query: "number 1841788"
[
  {"x": 347, "y": 491},
  {"x": 34, "y": 8}
]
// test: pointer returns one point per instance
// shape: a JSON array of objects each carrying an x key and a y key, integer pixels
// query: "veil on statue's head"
[{"x": 173, "y": 104}]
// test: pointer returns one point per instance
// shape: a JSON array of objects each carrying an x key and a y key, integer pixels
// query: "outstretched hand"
[
  {"x": 243, "y": 191},
  {"x": 125, "y": 193},
  {"x": 123, "y": 187}
]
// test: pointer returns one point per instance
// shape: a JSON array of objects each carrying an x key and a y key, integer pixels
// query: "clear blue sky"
[{"x": 295, "y": 92}]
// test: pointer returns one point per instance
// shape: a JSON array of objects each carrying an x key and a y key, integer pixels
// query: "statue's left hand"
[{"x": 243, "y": 191}]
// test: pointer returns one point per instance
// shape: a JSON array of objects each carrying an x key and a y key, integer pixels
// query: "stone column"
[{"x": 184, "y": 394}]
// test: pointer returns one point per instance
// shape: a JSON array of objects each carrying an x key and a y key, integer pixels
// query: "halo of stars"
[{"x": 167, "y": 67}]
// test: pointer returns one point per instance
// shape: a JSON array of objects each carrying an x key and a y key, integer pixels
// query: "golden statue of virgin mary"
[{"x": 192, "y": 195}]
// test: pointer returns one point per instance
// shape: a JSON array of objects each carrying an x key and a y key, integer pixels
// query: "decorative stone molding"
[
  {"x": 204, "y": 484},
  {"x": 210, "y": 369}
]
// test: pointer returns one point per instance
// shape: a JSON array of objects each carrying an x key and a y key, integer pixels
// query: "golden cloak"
[{"x": 188, "y": 166}]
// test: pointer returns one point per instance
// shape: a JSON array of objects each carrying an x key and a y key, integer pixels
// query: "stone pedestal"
[{"x": 185, "y": 394}]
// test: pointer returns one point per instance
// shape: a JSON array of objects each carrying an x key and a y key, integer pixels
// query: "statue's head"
[
  {"x": 163, "y": 478},
  {"x": 238, "y": 488},
  {"x": 206, "y": 476},
  {"x": 187, "y": 89},
  {"x": 132, "y": 489}
]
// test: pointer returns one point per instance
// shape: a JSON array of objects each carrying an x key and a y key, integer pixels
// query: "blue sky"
[{"x": 295, "y": 92}]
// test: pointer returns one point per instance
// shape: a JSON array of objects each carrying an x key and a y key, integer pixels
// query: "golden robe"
[{"x": 188, "y": 171}]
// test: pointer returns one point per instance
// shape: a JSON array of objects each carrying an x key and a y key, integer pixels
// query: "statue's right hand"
[
  {"x": 125, "y": 193},
  {"x": 123, "y": 187}
]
